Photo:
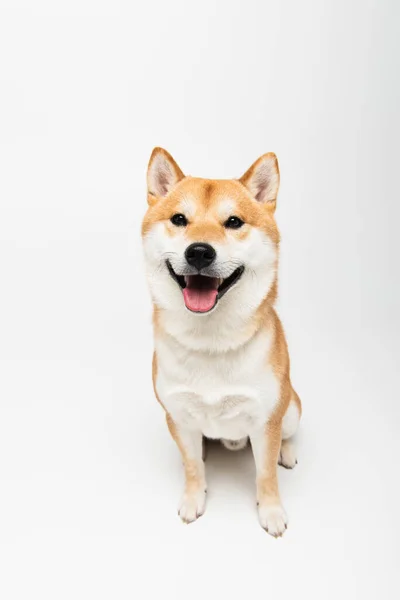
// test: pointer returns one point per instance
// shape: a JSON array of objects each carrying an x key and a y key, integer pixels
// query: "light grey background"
[{"x": 89, "y": 477}]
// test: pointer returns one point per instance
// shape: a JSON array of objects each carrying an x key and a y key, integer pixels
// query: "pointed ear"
[
  {"x": 163, "y": 173},
  {"x": 262, "y": 179}
]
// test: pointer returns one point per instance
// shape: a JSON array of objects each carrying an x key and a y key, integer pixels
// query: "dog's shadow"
[{"x": 227, "y": 469}]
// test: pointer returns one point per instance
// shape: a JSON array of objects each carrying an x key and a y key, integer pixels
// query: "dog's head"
[{"x": 210, "y": 245}]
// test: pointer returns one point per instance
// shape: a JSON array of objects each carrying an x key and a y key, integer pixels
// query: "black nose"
[{"x": 200, "y": 255}]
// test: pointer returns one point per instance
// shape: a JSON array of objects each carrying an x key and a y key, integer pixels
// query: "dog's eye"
[
  {"x": 233, "y": 223},
  {"x": 179, "y": 220}
]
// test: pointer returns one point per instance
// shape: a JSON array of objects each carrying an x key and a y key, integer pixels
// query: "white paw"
[
  {"x": 235, "y": 444},
  {"x": 192, "y": 506},
  {"x": 273, "y": 519},
  {"x": 287, "y": 456}
]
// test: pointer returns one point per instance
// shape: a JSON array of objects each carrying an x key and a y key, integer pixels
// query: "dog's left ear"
[
  {"x": 162, "y": 174},
  {"x": 262, "y": 179}
]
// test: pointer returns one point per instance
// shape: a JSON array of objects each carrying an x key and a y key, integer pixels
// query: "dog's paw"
[
  {"x": 235, "y": 445},
  {"x": 192, "y": 506},
  {"x": 287, "y": 456},
  {"x": 273, "y": 519}
]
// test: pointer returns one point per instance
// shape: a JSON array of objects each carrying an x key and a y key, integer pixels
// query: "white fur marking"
[
  {"x": 192, "y": 506},
  {"x": 273, "y": 519}
]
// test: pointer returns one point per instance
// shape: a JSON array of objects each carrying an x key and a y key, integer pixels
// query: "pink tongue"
[
  {"x": 199, "y": 300},
  {"x": 200, "y": 295}
]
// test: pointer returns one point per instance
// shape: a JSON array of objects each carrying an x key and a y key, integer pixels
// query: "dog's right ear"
[{"x": 162, "y": 174}]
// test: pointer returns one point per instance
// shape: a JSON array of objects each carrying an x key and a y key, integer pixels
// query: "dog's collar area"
[{"x": 201, "y": 283}]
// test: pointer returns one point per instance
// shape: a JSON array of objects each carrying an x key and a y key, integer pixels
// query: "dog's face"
[{"x": 210, "y": 245}]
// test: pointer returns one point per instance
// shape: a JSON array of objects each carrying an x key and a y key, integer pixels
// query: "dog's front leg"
[
  {"x": 266, "y": 445},
  {"x": 190, "y": 444}
]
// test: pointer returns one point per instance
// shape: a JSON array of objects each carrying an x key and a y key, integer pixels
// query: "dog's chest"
[{"x": 225, "y": 395}]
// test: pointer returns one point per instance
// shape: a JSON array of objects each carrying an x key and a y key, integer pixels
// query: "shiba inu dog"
[{"x": 220, "y": 365}]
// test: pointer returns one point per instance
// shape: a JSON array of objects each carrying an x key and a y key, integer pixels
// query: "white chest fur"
[{"x": 224, "y": 395}]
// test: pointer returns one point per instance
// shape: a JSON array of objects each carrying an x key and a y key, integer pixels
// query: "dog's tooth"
[{"x": 186, "y": 279}]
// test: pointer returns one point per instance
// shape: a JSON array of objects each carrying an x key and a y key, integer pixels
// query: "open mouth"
[{"x": 200, "y": 292}]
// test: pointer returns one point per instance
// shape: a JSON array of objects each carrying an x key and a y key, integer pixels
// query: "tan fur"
[
  {"x": 206, "y": 224},
  {"x": 267, "y": 483},
  {"x": 193, "y": 475},
  {"x": 154, "y": 376}
]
